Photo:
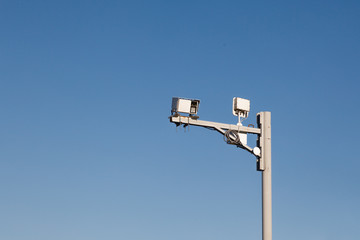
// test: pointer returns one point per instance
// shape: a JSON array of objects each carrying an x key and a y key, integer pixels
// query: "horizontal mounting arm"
[
  {"x": 220, "y": 127},
  {"x": 213, "y": 125}
]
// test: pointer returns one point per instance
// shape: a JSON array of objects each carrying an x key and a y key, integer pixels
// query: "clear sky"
[{"x": 88, "y": 152}]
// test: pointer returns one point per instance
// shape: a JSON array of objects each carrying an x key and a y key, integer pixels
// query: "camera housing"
[{"x": 184, "y": 105}]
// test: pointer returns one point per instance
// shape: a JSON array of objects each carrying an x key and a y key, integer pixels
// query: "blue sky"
[{"x": 87, "y": 150}]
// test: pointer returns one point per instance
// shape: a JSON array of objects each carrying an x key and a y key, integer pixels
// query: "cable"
[{"x": 232, "y": 137}]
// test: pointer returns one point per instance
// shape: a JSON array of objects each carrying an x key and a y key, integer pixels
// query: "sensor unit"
[{"x": 241, "y": 107}]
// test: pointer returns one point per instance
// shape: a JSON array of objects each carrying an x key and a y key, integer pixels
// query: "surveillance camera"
[
  {"x": 241, "y": 107},
  {"x": 184, "y": 105}
]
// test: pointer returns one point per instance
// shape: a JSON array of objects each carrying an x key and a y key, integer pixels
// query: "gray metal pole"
[
  {"x": 263, "y": 162},
  {"x": 265, "y": 124}
]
